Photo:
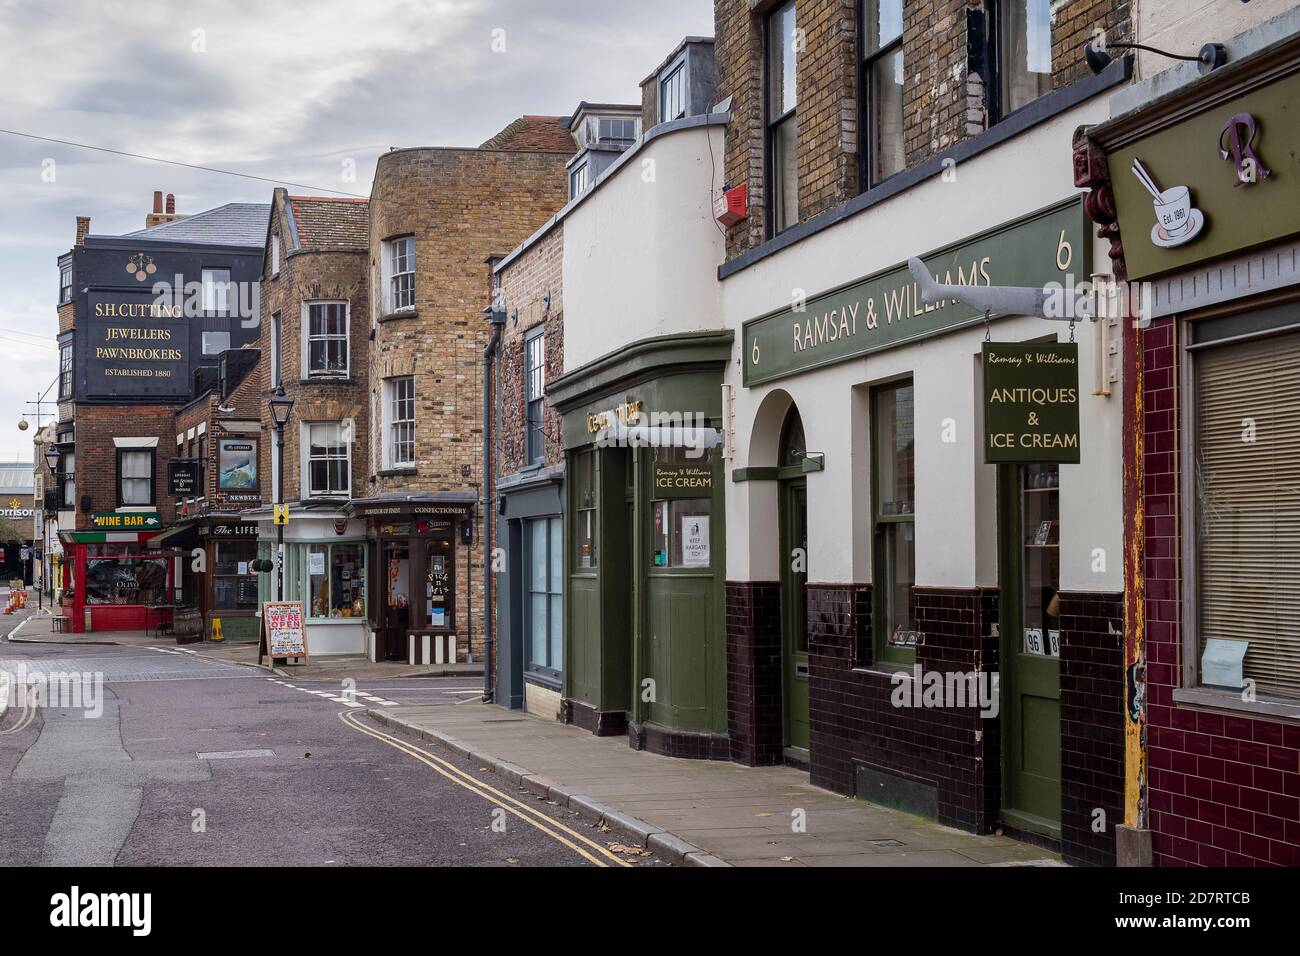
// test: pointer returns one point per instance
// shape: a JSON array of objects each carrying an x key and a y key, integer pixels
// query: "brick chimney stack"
[
  {"x": 83, "y": 227},
  {"x": 158, "y": 216}
]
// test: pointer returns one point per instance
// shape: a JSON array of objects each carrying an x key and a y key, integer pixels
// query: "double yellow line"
[{"x": 588, "y": 849}]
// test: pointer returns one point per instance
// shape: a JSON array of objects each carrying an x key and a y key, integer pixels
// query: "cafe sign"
[
  {"x": 683, "y": 480},
  {"x": 126, "y": 521},
  {"x": 885, "y": 310},
  {"x": 1031, "y": 402}
]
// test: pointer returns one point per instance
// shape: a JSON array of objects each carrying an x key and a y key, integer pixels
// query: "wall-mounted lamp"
[{"x": 1211, "y": 57}]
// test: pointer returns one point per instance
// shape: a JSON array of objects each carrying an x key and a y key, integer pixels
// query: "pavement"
[
  {"x": 39, "y": 629},
  {"x": 698, "y": 812},
  {"x": 189, "y": 761}
]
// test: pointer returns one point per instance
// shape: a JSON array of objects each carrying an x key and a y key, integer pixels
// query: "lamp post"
[{"x": 281, "y": 406}]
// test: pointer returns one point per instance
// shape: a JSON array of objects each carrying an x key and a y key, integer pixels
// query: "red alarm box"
[{"x": 732, "y": 205}]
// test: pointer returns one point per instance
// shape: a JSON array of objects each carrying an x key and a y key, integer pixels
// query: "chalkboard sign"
[{"x": 283, "y": 633}]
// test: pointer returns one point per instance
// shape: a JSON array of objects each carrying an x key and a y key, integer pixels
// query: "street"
[{"x": 197, "y": 762}]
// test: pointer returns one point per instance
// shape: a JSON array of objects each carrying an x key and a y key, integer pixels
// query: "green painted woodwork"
[
  {"x": 1030, "y": 686},
  {"x": 884, "y": 310},
  {"x": 794, "y": 612},
  {"x": 1031, "y": 402},
  {"x": 754, "y": 473}
]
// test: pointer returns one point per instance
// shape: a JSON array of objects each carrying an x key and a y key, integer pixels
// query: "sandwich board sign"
[{"x": 283, "y": 633}]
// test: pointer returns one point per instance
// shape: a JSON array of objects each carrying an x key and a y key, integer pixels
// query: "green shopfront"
[{"x": 644, "y": 649}]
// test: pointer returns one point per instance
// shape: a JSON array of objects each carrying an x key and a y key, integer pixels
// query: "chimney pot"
[
  {"x": 157, "y": 201},
  {"x": 171, "y": 204}
]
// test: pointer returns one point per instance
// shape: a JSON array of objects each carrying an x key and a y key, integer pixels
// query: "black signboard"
[
  {"x": 137, "y": 344},
  {"x": 183, "y": 477},
  {"x": 1031, "y": 402}
]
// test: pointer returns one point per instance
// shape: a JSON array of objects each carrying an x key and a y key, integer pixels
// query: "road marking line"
[{"x": 491, "y": 794}]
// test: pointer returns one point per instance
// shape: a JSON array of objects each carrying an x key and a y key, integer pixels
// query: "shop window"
[
  {"x": 894, "y": 568},
  {"x": 401, "y": 421},
  {"x": 216, "y": 291},
  {"x": 1021, "y": 51},
  {"x": 1244, "y": 475},
  {"x": 120, "y": 578},
  {"x": 680, "y": 537},
  {"x": 335, "y": 580},
  {"x": 672, "y": 94},
  {"x": 65, "y": 370},
  {"x": 882, "y": 88},
  {"x": 329, "y": 472},
  {"x": 783, "y": 48},
  {"x": 544, "y": 560},
  {"x": 134, "y": 476},
  {"x": 234, "y": 584},
  {"x": 326, "y": 344},
  {"x": 586, "y": 523},
  {"x": 534, "y": 392},
  {"x": 440, "y": 584},
  {"x": 399, "y": 274}
]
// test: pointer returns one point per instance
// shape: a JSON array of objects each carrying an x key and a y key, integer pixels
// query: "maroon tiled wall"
[
  {"x": 1223, "y": 790},
  {"x": 1092, "y": 725},
  {"x": 854, "y": 723},
  {"x": 754, "y": 708}
]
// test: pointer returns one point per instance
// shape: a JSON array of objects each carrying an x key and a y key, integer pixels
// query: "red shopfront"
[{"x": 113, "y": 582}]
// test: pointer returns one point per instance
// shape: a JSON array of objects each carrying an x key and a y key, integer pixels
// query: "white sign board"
[{"x": 695, "y": 541}]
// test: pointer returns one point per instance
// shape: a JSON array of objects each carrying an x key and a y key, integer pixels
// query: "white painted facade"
[
  {"x": 641, "y": 251},
  {"x": 956, "y": 505}
]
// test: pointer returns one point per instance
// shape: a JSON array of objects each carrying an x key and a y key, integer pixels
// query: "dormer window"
[{"x": 579, "y": 181}]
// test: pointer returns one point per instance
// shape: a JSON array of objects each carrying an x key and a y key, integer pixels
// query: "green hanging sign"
[{"x": 1031, "y": 402}]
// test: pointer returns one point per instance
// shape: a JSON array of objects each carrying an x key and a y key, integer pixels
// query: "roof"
[
  {"x": 326, "y": 221},
  {"x": 543, "y": 134},
  {"x": 234, "y": 224},
  {"x": 16, "y": 478}
]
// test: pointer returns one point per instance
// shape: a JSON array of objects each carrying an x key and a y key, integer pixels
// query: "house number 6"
[{"x": 753, "y": 355}]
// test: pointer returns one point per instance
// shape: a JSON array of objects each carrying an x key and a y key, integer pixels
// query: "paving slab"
[{"x": 701, "y": 812}]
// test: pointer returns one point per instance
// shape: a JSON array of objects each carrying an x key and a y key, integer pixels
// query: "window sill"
[
  {"x": 543, "y": 680},
  {"x": 327, "y": 380},
  {"x": 1226, "y": 701},
  {"x": 398, "y": 472},
  {"x": 411, "y": 313},
  {"x": 335, "y": 620}
]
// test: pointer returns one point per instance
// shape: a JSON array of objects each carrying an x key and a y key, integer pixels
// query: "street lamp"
[
  {"x": 52, "y": 456},
  {"x": 281, "y": 406}
]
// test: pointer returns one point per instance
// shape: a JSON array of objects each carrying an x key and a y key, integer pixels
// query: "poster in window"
[
  {"x": 237, "y": 464},
  {"x": 127, "y": 580},
  {"x": 695, "y": 541}
]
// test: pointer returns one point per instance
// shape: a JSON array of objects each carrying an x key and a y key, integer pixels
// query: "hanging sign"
[
  {"x": 283, "y": 634},
  {"x": 182, "y": 477},
  {"x": 1031, "y": 402}
]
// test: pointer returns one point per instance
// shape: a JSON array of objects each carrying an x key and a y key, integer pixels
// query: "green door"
[
  {"x": 1030, "y": 573},
  {"x": 794, "y": 615}
]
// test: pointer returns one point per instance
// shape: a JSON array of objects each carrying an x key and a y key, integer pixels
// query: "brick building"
[
  {"x": 436, "y": 215},
  {"x": 314, "y": 335},
  {"x": 141, "y": 316},
  {"x": 1212, "y": 410},
  {"x": 871, "y": 548}
]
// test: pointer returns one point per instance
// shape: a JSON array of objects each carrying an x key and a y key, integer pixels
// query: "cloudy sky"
[{"x": 284, "y": 90}]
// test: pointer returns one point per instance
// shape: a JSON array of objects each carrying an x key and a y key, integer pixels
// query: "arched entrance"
[{"x": 792, "y": 506}]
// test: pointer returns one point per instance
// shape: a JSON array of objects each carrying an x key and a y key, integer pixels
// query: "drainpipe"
[{"x": 497, "y": 316}]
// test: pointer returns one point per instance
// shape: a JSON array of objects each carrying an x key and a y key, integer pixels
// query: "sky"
[{"x": 301, "y": 93}]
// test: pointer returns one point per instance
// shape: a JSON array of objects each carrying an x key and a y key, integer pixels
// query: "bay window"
[
  {"x": 401, "y": 421},
  {"x": 326, "y": 332},
  {"x": 399, "y": 274}
]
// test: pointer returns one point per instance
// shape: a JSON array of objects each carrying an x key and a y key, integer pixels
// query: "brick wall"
[
  {"x": 1224, "y": 790},
  {"x": 524, "y": 283},
  {"x": 755, "y": 716},
  {"x": 1092, "y": 725},
  {"x": 461, "y": 206},
  {"x": 246, "y": 403},
  {"x": 97, "y": 426},
  {"x": 312, "y": 273},
  {"x": 943, "y": 94}
]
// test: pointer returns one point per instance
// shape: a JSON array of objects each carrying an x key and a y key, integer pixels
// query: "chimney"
[
  {"x": 83, "y": 227},
  {"x": 158, "y": 217}
]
